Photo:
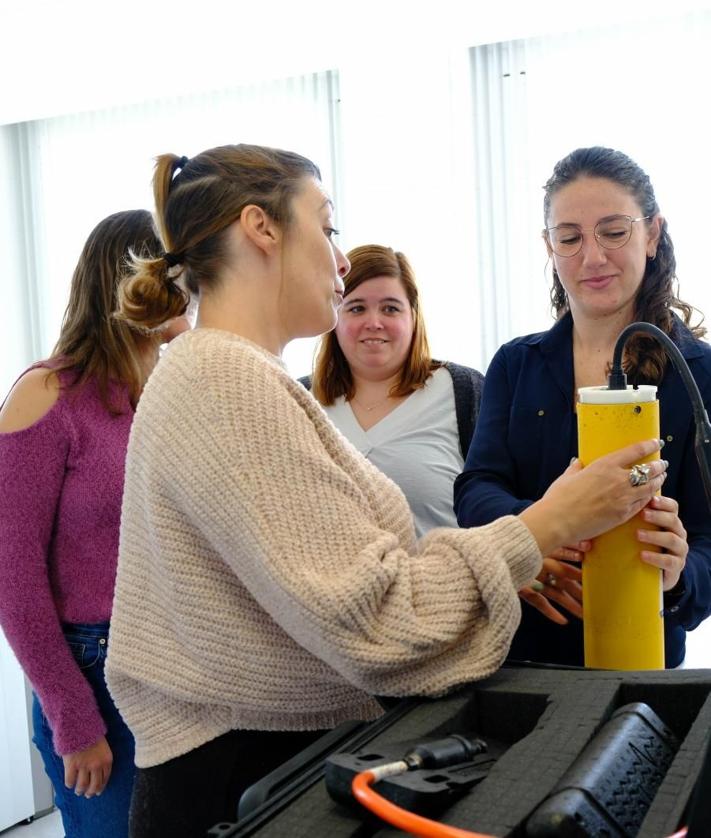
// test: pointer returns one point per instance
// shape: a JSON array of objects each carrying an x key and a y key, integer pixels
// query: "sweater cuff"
[
  {"x": 72, "y": 740},
  {"x": 74, "y": 718},
  {"x": 675, "y": 598},
  {"x": 518, "y": 546}
]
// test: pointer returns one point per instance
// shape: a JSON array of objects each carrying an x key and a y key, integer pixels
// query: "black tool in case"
[
  {"x": 427, "y": 791},
  {"x": 571, "y": 752},
  {"x": 611, "y": 785}
]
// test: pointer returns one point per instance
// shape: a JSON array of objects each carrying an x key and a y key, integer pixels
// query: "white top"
[{"x": 417, "y": 446}]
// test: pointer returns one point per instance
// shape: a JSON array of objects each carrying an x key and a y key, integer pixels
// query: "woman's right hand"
[
  {"x": 88, "y": 771},
  {"x": 585, "y": 502}
]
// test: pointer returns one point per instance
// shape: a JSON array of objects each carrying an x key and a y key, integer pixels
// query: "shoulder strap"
[{"x": 468, "y": 384}]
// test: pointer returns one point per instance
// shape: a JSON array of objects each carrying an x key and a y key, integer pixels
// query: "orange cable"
[
  {"x": 401, "y": 818},
  {"x": 409, "y": 821}
]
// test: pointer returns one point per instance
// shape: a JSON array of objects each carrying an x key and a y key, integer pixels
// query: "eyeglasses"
[{"x": 611, "y": 233}]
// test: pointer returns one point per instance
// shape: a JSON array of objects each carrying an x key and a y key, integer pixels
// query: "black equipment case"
[{"x": 571, "y": 752}]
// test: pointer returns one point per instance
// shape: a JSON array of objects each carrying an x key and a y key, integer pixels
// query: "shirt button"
[
  {"x": 102, "y": 641},
  {"x": 541, "y": 413},
  {"x": 670, "y": 438}
]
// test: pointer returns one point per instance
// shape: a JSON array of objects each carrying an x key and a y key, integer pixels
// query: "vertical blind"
[
  {"x": 637, "y": 88},
  {"x": 65, "y": 174}
]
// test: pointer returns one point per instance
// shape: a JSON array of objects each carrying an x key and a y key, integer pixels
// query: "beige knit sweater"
[{"x": 268, "y": 574}]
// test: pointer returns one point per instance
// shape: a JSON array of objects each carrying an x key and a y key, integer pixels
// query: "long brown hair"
[
  {"x": 194, "y": 209},
  {"x": 645, "y": 360},
  {"x": 332, "y": 375},
  {"x": 92, "y": 344}
]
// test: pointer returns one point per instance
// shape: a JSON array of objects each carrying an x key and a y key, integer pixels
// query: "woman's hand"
[
  {"x": 558, "y": 582},
  {"x": 88, "y": 771},
  {"x": 583, "y": 503},
  {"x": 671, "y": 537}
]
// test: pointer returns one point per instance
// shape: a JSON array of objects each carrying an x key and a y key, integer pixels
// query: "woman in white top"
[{"x": 411, "y": 416}]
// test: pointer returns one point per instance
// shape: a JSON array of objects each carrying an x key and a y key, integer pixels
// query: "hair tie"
[
  {"x": 181, "y": 163},
  {"x": 173, "y": 259}
]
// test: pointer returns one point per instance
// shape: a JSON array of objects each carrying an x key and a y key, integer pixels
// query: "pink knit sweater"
[{"x": 61, "y": 482}]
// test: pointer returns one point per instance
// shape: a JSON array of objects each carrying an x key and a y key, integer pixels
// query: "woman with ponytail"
[
  {"x": 63, "y": 436},
  {"x": 269, "y": 581},
  {"x": 613, "y": 264}
]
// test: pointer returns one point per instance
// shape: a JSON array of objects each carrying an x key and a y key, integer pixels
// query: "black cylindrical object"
[{"x": 611, "y": 785}]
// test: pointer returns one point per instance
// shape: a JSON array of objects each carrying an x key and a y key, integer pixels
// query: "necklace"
[{"x": 372, "y": 406}]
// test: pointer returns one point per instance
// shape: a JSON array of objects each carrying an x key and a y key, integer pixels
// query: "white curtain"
[
  {"x": 66, "y": 174},
  {"x": 639, "y": 88},
  {"x": 499, "y": 88}
]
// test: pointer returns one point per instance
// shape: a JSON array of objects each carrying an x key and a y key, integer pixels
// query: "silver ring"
[
  {"x": 552, "y": 580},
  {"x": 639, "y": 474}
]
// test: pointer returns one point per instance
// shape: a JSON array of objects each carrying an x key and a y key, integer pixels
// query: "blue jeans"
[{"x": 105, "y": 816}]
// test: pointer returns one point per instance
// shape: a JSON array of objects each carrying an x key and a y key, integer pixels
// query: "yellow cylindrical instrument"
[{"x": 622, "y": 596}]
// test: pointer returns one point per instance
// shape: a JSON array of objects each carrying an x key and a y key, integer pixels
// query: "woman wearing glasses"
[{"x": 613, "y": 263}]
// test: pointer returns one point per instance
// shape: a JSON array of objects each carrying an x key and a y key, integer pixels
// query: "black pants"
[{"x": 186, "y": 796}]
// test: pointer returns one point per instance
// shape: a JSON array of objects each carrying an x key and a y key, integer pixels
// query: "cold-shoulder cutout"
[{"x": 32, "y": 397}]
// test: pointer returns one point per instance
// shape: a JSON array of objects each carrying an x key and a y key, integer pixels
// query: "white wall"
[
  {"x": 406, "y": 164},
  {"x": 16, "y": 792},
  {"x": 63, "y": 57}
]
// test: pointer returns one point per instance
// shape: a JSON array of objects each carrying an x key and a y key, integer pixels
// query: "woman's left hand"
[
  {"x": 558, "y": 582},
  {"x": 671, "y": 537}
]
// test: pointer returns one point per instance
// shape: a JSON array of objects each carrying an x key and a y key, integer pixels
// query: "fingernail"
[
  {"x": 537, "y": 586},
  {"x": 666, "y": 463},
  {"x": 661, "y": 444},
  {"x": 572, "y": 460}
]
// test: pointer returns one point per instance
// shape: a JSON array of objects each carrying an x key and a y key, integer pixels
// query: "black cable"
[
  {"x": 617, "y": 380},
  {"x": 453, "y": 750}
]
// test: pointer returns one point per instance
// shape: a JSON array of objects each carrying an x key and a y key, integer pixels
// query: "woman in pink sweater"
[{"x": 63, "y": 436}]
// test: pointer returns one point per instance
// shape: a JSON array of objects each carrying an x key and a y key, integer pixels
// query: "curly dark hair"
[{"x": 645, "y": 360}]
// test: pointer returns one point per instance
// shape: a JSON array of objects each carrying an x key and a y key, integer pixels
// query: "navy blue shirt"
[{"x": 525, "y": 437}]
